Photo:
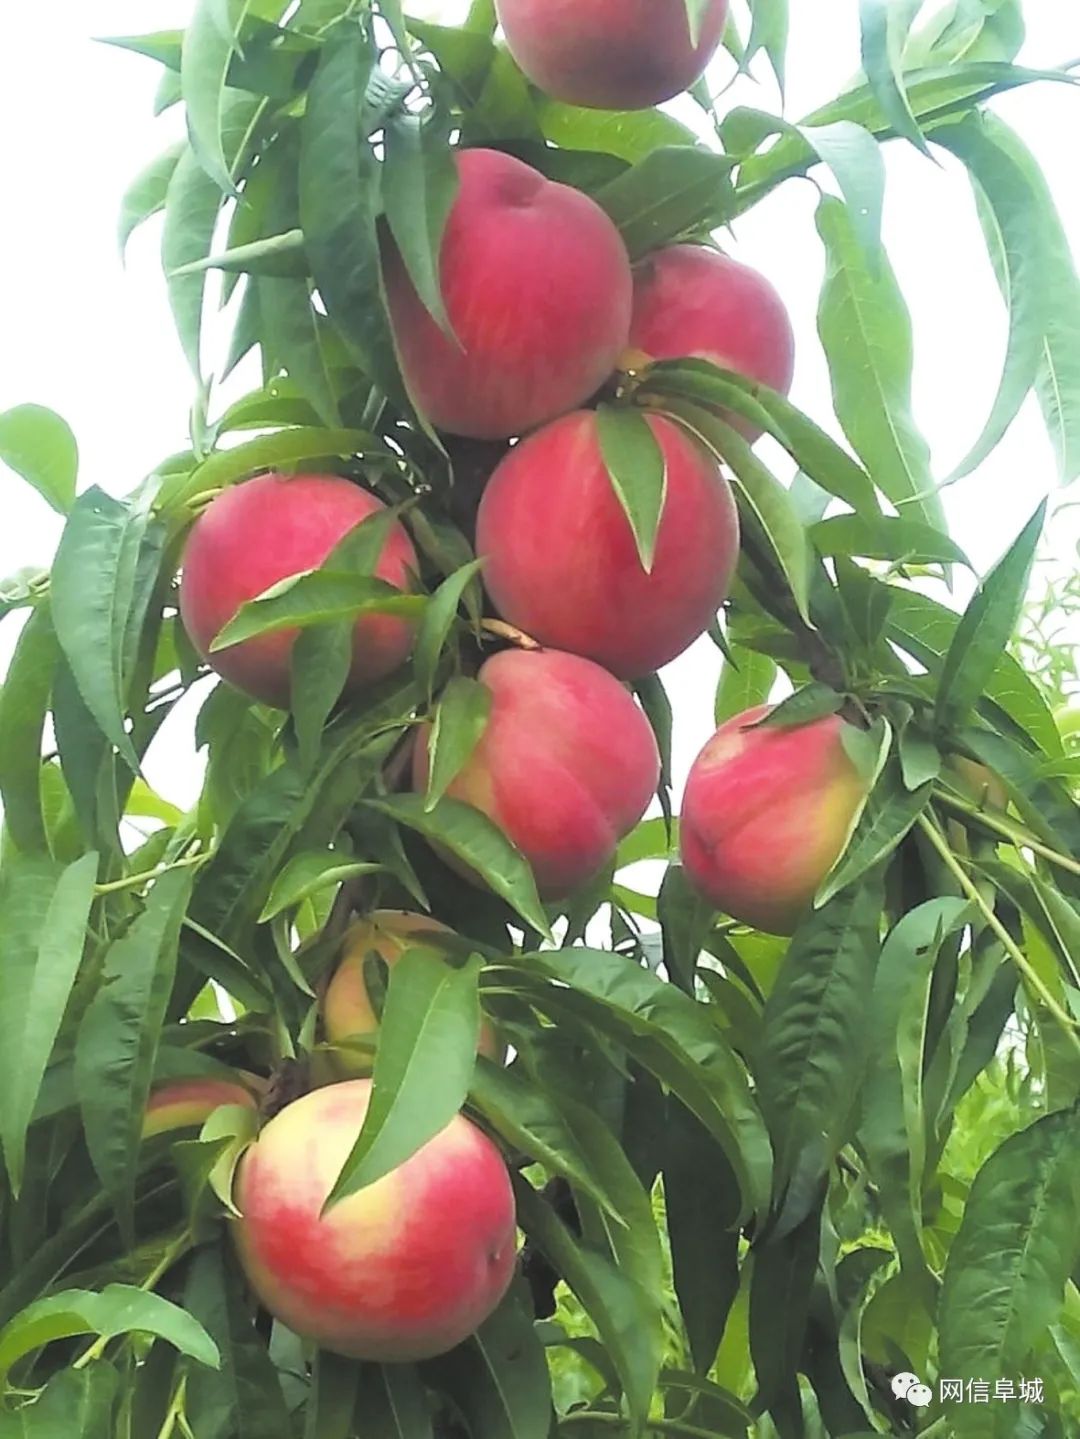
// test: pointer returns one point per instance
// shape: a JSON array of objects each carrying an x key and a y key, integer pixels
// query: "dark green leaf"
[
  {"x": 891, "y": 811},
  {"x": 438, "y": 621},
  {"x": 419, "y": 186},
  {"x": 24, "y": 701},
  {"x": 460, "y": 721},
  {"x": 315, "y": 597},
  {"x": 636, "y": 467}
]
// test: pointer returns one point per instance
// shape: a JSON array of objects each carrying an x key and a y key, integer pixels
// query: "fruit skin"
[
  {"x": 188, "y": 1103},
  {"x": 765, "y": 817},
  {"x": 691, "y": 301},
  {"x": 405, "y": 1269},
  {"x": 537, "y": 286},
  {"x": 977, "y": 783},
  {"x": 346, "y": 1006},
  {"x": 262, "y": 531},
  {"x": 610, "y": 54},
  {"x": 566, "y": 767},
  {"x": 560, "y": 558}
]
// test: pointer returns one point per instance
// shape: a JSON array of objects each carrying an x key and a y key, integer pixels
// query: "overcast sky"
[{"x": 94, "y": 340}]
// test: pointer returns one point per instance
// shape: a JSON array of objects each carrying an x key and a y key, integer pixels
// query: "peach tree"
[{"x": 446, "y": 1071}]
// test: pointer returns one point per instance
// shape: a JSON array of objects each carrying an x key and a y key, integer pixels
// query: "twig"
[
  {"x": 1005, "y": 827},
  {"x": 133, "y": 881}
]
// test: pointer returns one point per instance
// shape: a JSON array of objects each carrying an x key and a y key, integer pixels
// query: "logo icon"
[{"x": 911, "y": 1388}]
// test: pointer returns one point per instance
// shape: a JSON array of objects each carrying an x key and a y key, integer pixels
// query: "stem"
[
  {"x": 133, "y": 881},
  {"x": 658, "y": 1426},
  {"x": 1004, "y": 826},
  {"x": 508, "y": 632},
  {"x": 176, "y": 1409},
  {"x": 1014, "y": 951}
]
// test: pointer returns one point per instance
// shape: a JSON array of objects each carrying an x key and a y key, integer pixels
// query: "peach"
[
  {"x": 189, "y": 1103},
  {"x": 560, "y": 558},
  {"x": 404, "y": 1269},
  {"x": 347, "y": 1008},
  {"x": 766, "y": 815},
  {"x": 262, "y": 531},
  {"x": 693, "y": 302},
  {"x": 610, "y": 54},
  {"x": 566, "y": 767},
  {"x": 537, "y": 287}
]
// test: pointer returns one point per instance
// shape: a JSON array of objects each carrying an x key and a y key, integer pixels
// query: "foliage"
[{"x": 755, "y": 1179}]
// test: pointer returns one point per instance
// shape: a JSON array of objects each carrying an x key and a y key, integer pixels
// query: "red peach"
[
  {"x": 566, "y": 766},
  {"x": 347, "y": 1008},
  {"x": 406, "y": 1268},
  {"x": 537, "y": 287},
  {"x": 694, "y": 302},
  {"x": 562, "y": 564},
  {"x": 610, "y": 54},
  {"x": 189, "y": 1103},
  {"x": 766, "y": 815},
  {"x": 258, "y": 533}
]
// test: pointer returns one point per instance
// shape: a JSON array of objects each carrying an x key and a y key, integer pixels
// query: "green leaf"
[
  {"x": 206, "y": 55},
  {"x": 638, "y": 473},
  {"x": 339, "y": 206},
  {"x": 769, "y": 520},
  {"x": 243, "y": 1397},
  {"x": 477, "y": 842},
  {"x": 815, "y": 452},
  {"x": 333, "y": 1398},
  {"x": 746, "y": 681},
  {"x": 40, "y": 447},
  {"x": 670, "y": 191},
  {"x": 812, "y": 702},
  {"x": 286, "y": 448},
  {"x": 769, "y": 32},
  {"x": 885, "y": 27},
  {"x": 866, "y": 331},
  {"x": 986, "y": 627},
  {"x": 813, "y": 1047},
  {"x": 428, "y": 1035},
  {"x": 1015, "y": 224},
  {"x": 628, "y": 134},
  {"x": 36, "y": 983},
  {"x": 437, "y": 622},
  {"x": 319, "y": 668},
  {"x": 118, "y": 1309},
  {"x": 93, "y": 591},
  {"x": 460, "y": 721},
  {"x": 419, "y": 186},
  {"x": 391, "y": 1401},
  {"x": 118, "y": 1037},
  {"x": 528, "y": 1119},
  {"x": 780, "y": 1292},
  {"x": 615, "y": 1304},
  {"x": 165, "y": 46},
  {"x": 315, "y": 597},
  {"x": 24, "y": 701},
  {"x": 308, "y": 873},
  {"x": 145, "y": 196},
  {"x": 1004, "y": 1282},
  {"x": 1057, "y": 382},
  {"x": 275, "y": 255},
  {"x": 889, "y": 814},
  {"x": 300, "y": 341},
  {"x": 75, "y": 1401},
  {"x": 498, "y": 1379},
  {"x": 886, "y": 537}
]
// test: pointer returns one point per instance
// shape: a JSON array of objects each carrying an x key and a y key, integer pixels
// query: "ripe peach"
[
  {"x": 561, "y": 561},
  {"x": 188, "y": 1103},
  {"x": 260, "y": 532},
  {"x": 694, "y": 302},
  {"x": 406, "y": 1268},
  {"x": 610, "y": 54},
  {"x": 347, "y": 1008},
  {"x": 766, "y": 815},
  {"x": 566, "y": 766},
  {"x": 537, "y": 287}
]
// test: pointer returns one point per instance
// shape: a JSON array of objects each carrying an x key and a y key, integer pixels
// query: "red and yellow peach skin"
[
  {"x": 766, "y": 815},
  {"x": 611, "y": 54},
  {"x": 693, "y": 302},
  {"x": 261, "y": 532},
  {"x": 347, "y": 1008},
  {"x": 189, "y": 1103},
  {"x": 403, "y": 1270},
  {"x": 560, "y": 558},
  {"x": 536, "y": 284},
  {"x": 566, "y": 766}
]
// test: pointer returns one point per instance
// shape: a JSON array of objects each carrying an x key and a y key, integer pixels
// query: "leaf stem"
[
  {"x": 1005, "y": 827},
  {"x": 1016, "y": 954},
  {"x": 133, "y": 881}
]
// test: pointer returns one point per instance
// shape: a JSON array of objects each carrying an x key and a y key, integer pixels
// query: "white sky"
[{"x": 95, "y": 341}]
